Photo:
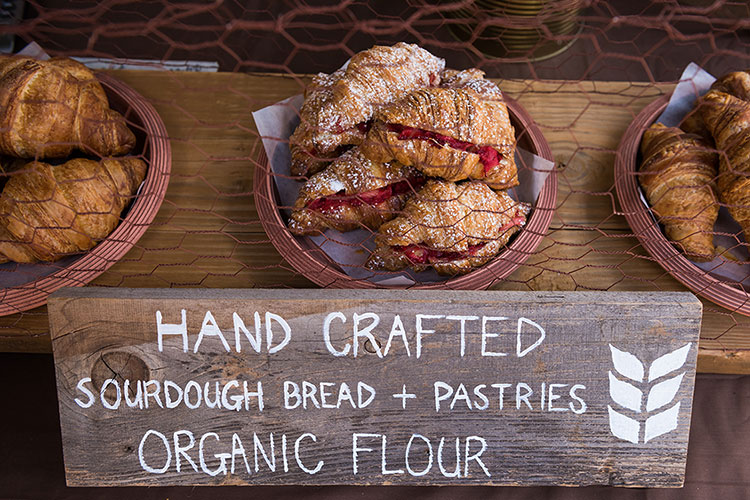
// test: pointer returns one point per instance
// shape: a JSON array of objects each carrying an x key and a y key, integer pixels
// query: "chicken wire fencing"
[{"x": 582, "y": 80}]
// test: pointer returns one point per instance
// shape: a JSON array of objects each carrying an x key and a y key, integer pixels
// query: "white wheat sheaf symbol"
[{"x": 659, "y": 395}]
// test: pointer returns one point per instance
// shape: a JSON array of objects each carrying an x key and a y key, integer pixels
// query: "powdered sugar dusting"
[
  {"x": 472, "y": 78},
  {"x": 375, "y": 77}
]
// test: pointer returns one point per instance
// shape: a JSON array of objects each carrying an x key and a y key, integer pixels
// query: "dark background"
[{"x": 629, "y": 40}]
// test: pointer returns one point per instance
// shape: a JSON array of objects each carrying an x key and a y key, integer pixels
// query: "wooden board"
[{"x": 540, "y": 388}]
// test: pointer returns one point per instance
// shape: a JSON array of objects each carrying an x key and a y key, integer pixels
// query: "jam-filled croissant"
[
  {"x": 341, "y": 105},
  {"x": 353, "y": 192},
  {"x": 472, "y": 78},
  {"x": 454, "y": 78},
  {"x": 453, "y": 228},
  {"x": 678, "y": 176},
  {"x": 452, "y": 133},
  {"x": 728, "y": 119}
]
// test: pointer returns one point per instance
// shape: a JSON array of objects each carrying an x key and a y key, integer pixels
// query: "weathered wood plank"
[{"x": 565, "y": 338}]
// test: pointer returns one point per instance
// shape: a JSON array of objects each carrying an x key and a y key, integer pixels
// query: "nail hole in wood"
[{"x": 369, "y": 347}]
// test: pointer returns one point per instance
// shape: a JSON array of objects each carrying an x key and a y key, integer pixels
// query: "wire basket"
[
  {"x": 318, "y": 267},
  {"x": 732, "y": 296},
  {"x": 32, "y": 283}
]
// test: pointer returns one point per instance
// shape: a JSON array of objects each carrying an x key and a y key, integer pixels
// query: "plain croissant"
[
  {"x": 728, "y": 119},
  {"x": 49, "y": 108},
  {"x": 48, "y": 212},
  {"x": 736, "y": 83},
  {"x": 678, "y": 175}
]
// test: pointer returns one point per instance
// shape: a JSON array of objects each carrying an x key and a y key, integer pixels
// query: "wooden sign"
[{"x": 188, "y": 387}]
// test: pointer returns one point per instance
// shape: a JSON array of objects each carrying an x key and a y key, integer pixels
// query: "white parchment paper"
[
  {"x": 731, "y": 263},
  {"x": 350, "y": 250}
]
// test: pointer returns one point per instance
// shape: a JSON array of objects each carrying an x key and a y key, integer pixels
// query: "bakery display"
[
  {"x": 451, "y": 227},
  {"x": 49, "y": 108},
  {"x": 353, "y": 192},
  {"x": 26, "y": 285},
  {"x": 723, "y": 279},
  {"x": 338, "y": 107},
  {"x": 678, "y": 175},
  {"x": 687, "y": 173},
  {"x": 48, "y": 212}
]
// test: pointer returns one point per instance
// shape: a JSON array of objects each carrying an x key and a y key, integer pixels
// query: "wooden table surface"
[{"x": 207, "y": 232}]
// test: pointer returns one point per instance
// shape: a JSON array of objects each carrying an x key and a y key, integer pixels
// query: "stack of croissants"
[
  {"x": 397, "y": 143},
  {"x": 688, "y": 172},
  {"x": 57, "y": 111}
]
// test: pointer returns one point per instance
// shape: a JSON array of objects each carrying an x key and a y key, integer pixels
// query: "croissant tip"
[
  {"x": 294, "y": 226},
  {"x": 300, "y": 228},
  {"x": 700, "y": 257},
  {"x": 376, "y": 261},
  {"x": 297, "y": 171}
]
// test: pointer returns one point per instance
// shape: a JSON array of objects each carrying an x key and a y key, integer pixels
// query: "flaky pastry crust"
[
  {"x": 462, "y": 225},
  {"x": 459, "y": 114},
  {"x": 678, "y": 176},
  {"x": 48, "y": 212},
  {"x": 352, "y": 187},
  {"x": 728, "y": 119},
  {"x": 736, "y": 83},
  {"x": 49, "y": 108}
]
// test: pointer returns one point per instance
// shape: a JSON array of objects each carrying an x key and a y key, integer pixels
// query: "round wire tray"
[
  {"x": 313, "y": 263},
  {"x": 25, "y": 286},
  {"x": 730, "y": 295}
]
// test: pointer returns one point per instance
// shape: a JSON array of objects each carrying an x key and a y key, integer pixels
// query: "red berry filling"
[
  {"x": 372, "y": 197},
  {"x": 364, "y": 127},
  {"x": 518, "y": 219},
  {"x": 489, "y": 156},
  {"x": 421, "y": 255}
]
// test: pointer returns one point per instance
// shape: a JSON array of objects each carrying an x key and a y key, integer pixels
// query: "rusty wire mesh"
[{"x": 583, "y": 70}]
